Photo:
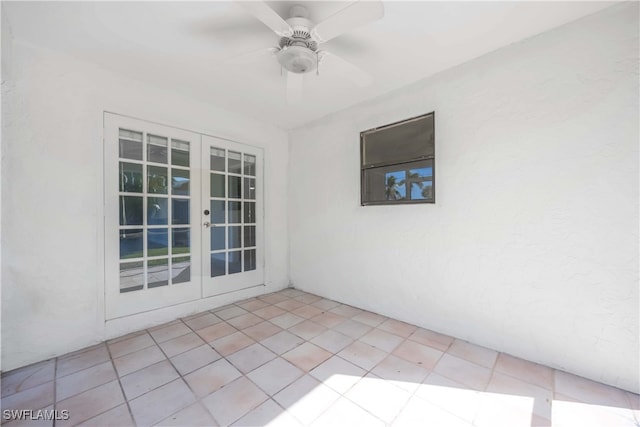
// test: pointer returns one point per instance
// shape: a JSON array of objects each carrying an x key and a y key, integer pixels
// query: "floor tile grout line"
[
  {"x": 55, "y": 389},
  {"x": 124, "y": 396},
  {"x": 270, "y": 396},
  {"x": 241, "y": 373},
  {"x": 198, "y": 400},
  {"x": 99, "y": 385}
]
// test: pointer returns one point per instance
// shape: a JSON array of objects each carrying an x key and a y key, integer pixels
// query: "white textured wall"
[
  {"x": 5, "y": 50},
  {"x": 52, "y": 259},
  {"x": 532, "y": 246}
]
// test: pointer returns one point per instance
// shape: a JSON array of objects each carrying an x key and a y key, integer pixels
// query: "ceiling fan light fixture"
[{"x": 297, "y": 59}]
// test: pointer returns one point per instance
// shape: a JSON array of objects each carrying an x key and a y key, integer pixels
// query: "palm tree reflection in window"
[
  {"x": 419, "y": 181},
  {"x": 395, "y": 185}
]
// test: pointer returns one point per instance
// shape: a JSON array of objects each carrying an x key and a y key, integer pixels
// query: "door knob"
[{"x": 207, "y": 224}]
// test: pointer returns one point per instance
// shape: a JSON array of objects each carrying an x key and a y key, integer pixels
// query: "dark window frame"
[{"x": 408, "y": 162}]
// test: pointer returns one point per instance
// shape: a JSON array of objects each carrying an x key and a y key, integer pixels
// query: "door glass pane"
[
  {"x": 235, "y": 162},
  {"x": 157, "y": 273},
  {"x": 156, "y": 149},
  {"x": 234, "y": 212},
  {"x": 179, "y": 153},
  {"x": 130, "y": 210},
  {"x": 131, "y": 243},
  {"x": 217, "y": 185},
  {"x": 130, "y": 144},
  {"x": 250, "y": 188},
  {"x": 234, "y": 237},
  {"x": 180, "y": 270},
  {"x": 249, "y": 236},
  {"x": 217, "y": 159},
  {"x": 157, "y": 211},
  {"x": 157, "y": 242},
  {"x": 157, "y": 180},
  {"x": 131, "y": 276},
  {"x": 249, "y": 212},
  {"x": 179, "y": 211},
  {"x": 235, "y": 262},
  {"x": 235, "y": 190},
  {"x": 217, "y": 211},
  {"x": 130, "y": 177},
  {"x": 217, "y": 238},
  {"x": 249, "y": 259},
  {"x": 180, "y": 182},
  {"x": 249, "y": 165},
  {"x": 218, "y": 264},
  {"x": 180, "y": 241}
]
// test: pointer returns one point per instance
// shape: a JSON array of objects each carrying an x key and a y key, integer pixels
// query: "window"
[{"x": 397, "y": 162}]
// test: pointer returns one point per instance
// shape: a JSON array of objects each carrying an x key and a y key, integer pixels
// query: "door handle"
[{"x": 207, "y": 224}]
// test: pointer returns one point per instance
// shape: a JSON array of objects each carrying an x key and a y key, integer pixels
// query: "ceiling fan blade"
[
  {"x": 356, "y": 14},
  {"x": 354, "y": 73},
  {"x": 294, "y": 88},
  {"x": 268, "y": 16},
  {"x": 253, "y": 56}
]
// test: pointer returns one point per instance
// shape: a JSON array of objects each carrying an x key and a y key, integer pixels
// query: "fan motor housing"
[{"x": 298, "y": 59}]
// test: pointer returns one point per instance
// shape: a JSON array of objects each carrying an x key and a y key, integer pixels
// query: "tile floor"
[{"x": 291, "y": 358}]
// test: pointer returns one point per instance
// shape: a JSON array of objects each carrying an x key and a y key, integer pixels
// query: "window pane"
[
  {"x": 217, "y": 159},
  {"x": 249, "y": 236},
  {"x": 402, "y": 142},
  {"x": 424, "y": 172},
  {"x": 157, "y": 242},
  {"x": 234, "y": 212},
  {"x": 217, "y": 211},
  {"x": 249, "y": 188},
  {"x": 249, "y": 259},
  {"x": 131, "y": 276},
  {"x": 422, "y": 190},
  {"x": 235, "y": 190},
  {"x": 249, "y": 212},
  {"x": 179, "y": 153},
  {"x": 218, "y": 238},
  {"x": 130, "y": 144},
  {"x": 130, "y": 210},
  {"x": 156, "y": 149},
  {"x": 180, "y": 182},
  {"x": 157, "y": 273},
  {"x": 130, "y": 177},
  {"x": 218, "y": 264},
  {"x": 157, "y": 180},
  {"x": 180, "y": 241},
  {"x": 157, "y": 210},
  {"x": 235, "y": 162},
  {"x": 217, "y": 185},
  {"x": 235, "y": 262},
  {"x": 180, "y": 270},
  {"x": 399, "y": 182},
  {"x": 234, "y": 237},
  {"x": 179, "y": 211},
  {"x": 420, "y": 180},
  {"x": 384, "y": 184},
  {"x": 249, "y": 165},
  {"x": 131, "y": 243}
]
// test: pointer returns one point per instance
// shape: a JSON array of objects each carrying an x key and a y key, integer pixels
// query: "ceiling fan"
[{"x": 298, "y": 48}]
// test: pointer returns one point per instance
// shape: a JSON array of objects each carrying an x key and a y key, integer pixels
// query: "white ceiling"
[{"x": 181, "y": 45}]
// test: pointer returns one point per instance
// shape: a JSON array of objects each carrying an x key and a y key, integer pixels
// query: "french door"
[
  {"x": 232, "y": 193},
  {"x": 182, "y": 216}
]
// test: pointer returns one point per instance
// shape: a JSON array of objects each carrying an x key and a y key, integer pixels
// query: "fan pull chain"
[{"x": 317, "y": 64}]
